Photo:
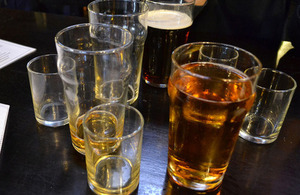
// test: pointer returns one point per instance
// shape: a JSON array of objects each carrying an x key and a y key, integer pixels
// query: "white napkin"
[
  {"x": 11, "y": 52},
  {"x": 3, "y": 118}
]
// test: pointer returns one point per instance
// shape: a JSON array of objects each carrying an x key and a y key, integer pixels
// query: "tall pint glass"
[
  {"x": 131, "y": 15},
  {"x": 168, "y": 24},
  {"x": 208, "y": 102},
  {"x": 94, "y": 65}
]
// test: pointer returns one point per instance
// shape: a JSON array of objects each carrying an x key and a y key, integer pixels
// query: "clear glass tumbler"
[
  {"x": 47, "y": 91},
  {"x": 275, "y": 90}
]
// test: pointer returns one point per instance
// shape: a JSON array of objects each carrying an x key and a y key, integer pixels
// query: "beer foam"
[{"x": 168, "y": 19}]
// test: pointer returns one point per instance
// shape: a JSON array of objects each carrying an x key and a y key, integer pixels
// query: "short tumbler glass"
[
  {"x": 208, "y": 102},
  {"x": 113, "y": 140},
  {"x": 47, "y": 91},
  {"x": 275, "y": 91}
]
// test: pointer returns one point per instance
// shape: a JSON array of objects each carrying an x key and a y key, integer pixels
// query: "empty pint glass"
[
  {"x": 169, "y": 23},
  {"x": 131, "y": 16},
  {"x": 208, "y": 102},
  {"x": 94, "y": 64}
]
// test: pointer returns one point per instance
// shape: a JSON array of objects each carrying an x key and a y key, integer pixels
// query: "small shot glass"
[
  {"x": 274, "y": 92},
  {"x": 47, "y": 91}
]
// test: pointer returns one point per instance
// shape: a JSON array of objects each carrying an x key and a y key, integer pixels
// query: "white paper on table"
[
  {"x": 11, "y": 52},
  {"x": 4, "y": 108}
]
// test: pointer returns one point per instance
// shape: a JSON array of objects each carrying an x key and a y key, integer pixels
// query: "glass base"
[
  {"x": 159, "y": 85},
  {"x": 53, "y": 123},
  {"x": 52, "y": 114},
  {"x": 132, "y": 95},
  {"x": 80, "y": 150},
  {"x": 104, "y": 191},
  {"x": 259, "y": 129},
  {"x": 255, "y": 139},
  {"x": 194, "y": 185}
]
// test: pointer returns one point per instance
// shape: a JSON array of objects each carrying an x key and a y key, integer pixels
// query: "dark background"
[{"x": 40, "y": 160}]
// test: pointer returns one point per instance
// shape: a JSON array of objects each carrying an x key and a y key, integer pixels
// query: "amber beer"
[
  {"x": 167, "y": 29},
  {"x": 205, "y": 118}
]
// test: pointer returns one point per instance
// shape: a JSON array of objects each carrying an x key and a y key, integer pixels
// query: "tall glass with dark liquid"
[
  {"x": 168, "y": 27},
  {"x": 208, "y": 102}
]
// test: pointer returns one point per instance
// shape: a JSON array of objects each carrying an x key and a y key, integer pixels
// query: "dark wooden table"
[{"x": 40, "y": 160}]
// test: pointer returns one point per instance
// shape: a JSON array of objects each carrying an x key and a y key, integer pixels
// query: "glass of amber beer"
[
  {"x": 169, "y": 23},
  {"x": 208, "y": 102}
]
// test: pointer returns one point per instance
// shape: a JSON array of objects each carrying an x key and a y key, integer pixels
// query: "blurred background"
[
  {"x": 267, "y": 25},
  {"x": 64, "y": 7}
]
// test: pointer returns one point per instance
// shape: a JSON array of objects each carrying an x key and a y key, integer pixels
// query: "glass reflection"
[{"x": 171, "y": 188}]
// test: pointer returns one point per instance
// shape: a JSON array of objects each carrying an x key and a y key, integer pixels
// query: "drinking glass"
[
  {"x": 208, "y": 103},
  {"x": 275, "y": 90},
  {"x": 131, "y": 16},
  {"x": 47, "y": 91},
  {"x": 94, "y": 64},
  {"x": 169, "y": 23},
  {"x": 113, "y": 140},
  {"x": 219, "y": 54}
]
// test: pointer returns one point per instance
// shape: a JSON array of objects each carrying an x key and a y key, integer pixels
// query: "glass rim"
[
  {"x": 125, "y": 45},
  {"x": 132, "y": 134},
  {"x": 224, "y": 46},
  {"x": 281, "y": 73},
  {"x": 187, "y": 45},
  {"x": 192, "y": 2},
  {"x": 29, "y": 63},
  {"x": 118, "y": 1}
]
